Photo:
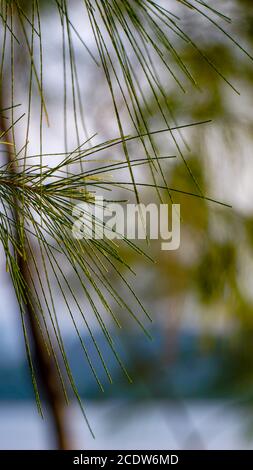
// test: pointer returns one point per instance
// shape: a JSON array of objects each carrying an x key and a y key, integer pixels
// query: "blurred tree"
[{"x": 209, "y": 277}]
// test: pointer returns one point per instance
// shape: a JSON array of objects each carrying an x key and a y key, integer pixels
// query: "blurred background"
[{"x": 193, "y": 383}]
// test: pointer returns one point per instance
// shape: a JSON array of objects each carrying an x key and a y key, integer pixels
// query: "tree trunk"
[{"x": 45, "y": 364}]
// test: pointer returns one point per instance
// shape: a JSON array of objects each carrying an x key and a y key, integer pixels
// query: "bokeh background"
[{"x": 193, "y": 383}]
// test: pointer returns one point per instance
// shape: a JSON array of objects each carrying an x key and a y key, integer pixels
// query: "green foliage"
[{"x": 149, "y": 61}]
